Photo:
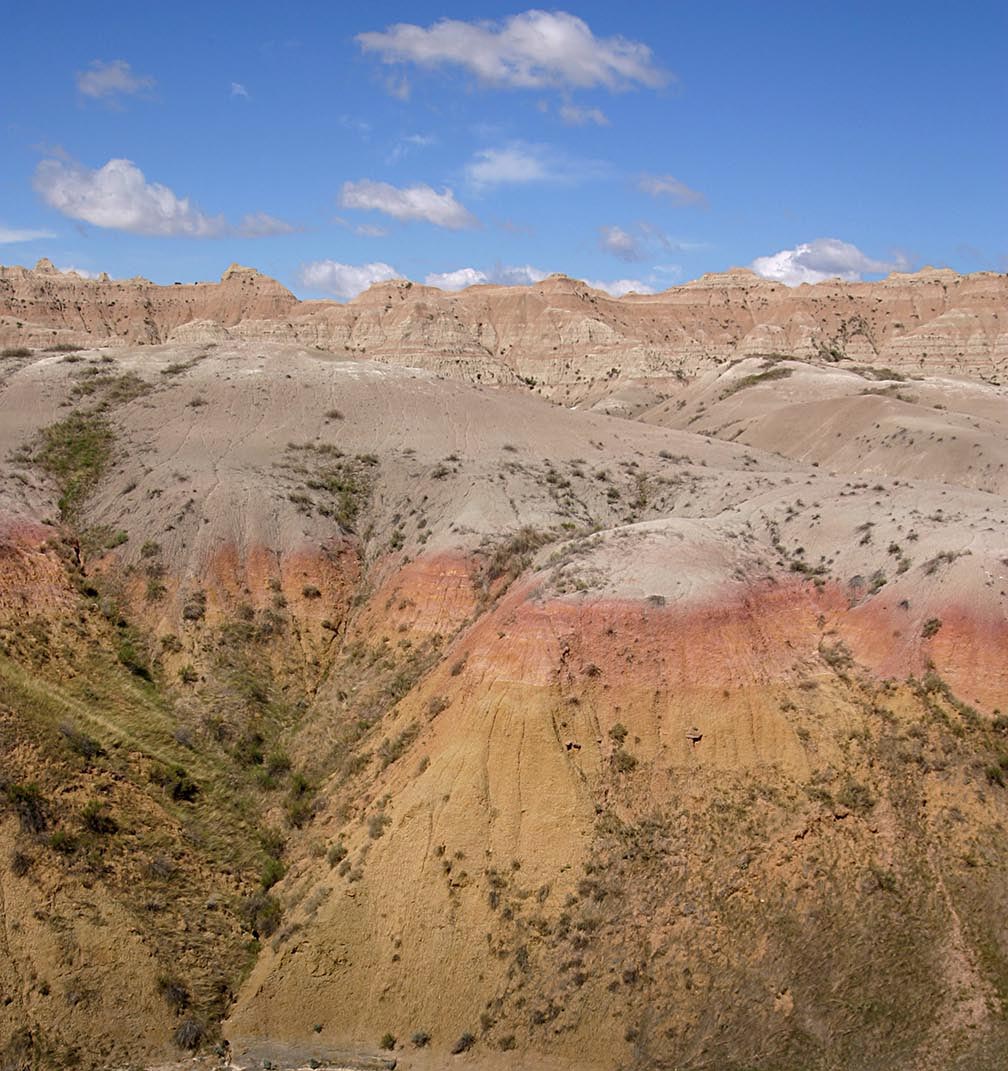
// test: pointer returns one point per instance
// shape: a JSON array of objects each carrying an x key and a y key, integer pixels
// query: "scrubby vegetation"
[
  {"x": 768, "y": 375},
  {"x": 75, "y": 452}
]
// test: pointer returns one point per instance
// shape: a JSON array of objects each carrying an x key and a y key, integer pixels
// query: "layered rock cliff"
[{"x": 560, "y": 333}]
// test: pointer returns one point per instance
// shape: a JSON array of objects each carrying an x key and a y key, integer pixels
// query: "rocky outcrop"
[
  {"x": 44, "y": 307},
  {"x": 559, "y": 333}
]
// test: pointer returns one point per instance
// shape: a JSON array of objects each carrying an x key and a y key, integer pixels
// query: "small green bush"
[
  {"x": 464, "y": 1044},
  {"x": 856, "y": 796},
  {"x": 261, "y": 913},
  {"x": 623, "y": 761},
  {"x": 133, "y": 660},
  {"x": 175, "y": 992},
  {"x": 95, "y": 819},
  {"x": 376, "y": 824},
  {"x": 188, "y": 1034},
  {"x": 20, "y": 863},
  {"x": 63, "y": 842},
  {"x": 273, "y": 870},
  {"x": 277, "y": 762},
  {"x": 176, "y": 782},
  {"x": 194, "y": 607},
  {"x": 29, "y": 805},
  {"x": 80, "y": 743}
]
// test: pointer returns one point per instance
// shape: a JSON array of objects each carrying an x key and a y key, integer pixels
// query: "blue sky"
[{"x": 632, "y": 145}]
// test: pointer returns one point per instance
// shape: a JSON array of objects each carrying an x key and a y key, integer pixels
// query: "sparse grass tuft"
[{"x": 188, "y": 1034}]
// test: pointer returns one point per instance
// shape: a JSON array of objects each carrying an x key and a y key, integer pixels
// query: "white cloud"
[
  {"x": 516, "y": 275},
  {"x": 118, "y": 196},
  {"x": 20, "y": 234},
  {"x": 458, "y": 279},
  {"x": 825, "y": 258},
  {"x": 669, "y": 186},
  {"x": 263, "y": 225},
  {"x": 344, "y": 280},
  {"x": 238, "y": 90},
  {"x": 112, "y": 79},
  {"x": 530, "y": 50},
  {"x": 620, "y": 287},
  {"x": 84, "y": 273},
  {"x": 575, "y": 115},
  {"x": 511, "y": 166},
  {"x": 520, "y": 163},
  {"x": 616, "y": 241},
  {"x": 412, "y": 202},
  {"x": 524, "y": 275}
]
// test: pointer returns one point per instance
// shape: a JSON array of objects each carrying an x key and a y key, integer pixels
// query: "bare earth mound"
[{"x": 371, "y": 708}]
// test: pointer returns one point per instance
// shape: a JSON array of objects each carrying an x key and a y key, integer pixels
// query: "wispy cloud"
[
  {"x": 824, "y": 258},
  {"x": 9, "y": 235},
  {"x": 109, "y": 80},
  {"x": 370, "y": 230},
  {"x": 263, "y": 225},
  {"x": 531, "y": 50},
  {"x": 409, "y": 144},
  {"x": 575, "y": 115},
  {"x": 344, "y": 281},
  {"x": 118, "y": 196},
  {"x": 238, "y": 90},
  {"x": 669, "y": 186},
  {"x": 460, "y": 278},
  {"x": 419, "y": 202},
  {"x": 620, "y": 244},
  {"x": 644, "y": 242},
  {"x": 358, "y": 126}
]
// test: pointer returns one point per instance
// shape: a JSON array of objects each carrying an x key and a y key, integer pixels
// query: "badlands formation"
[{"x": 519, "y": 677}]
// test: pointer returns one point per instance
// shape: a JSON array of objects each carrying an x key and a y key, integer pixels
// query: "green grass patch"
[{"x": 76, "y": 453}]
